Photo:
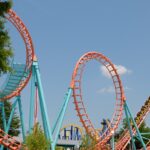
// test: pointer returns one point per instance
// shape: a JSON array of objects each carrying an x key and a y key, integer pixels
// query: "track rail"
[
  {"x": 5, "y": 139},
  {"x": 19, "y": 25},
  {"x": 78, "y": 98},
  {"x": 8, "y": 141},
  {"x": 141, "y": 115}
]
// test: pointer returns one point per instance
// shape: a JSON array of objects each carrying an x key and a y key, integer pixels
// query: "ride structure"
[
  {"x": 15, "y": 83},
  {"x": 140, "y": 117},
  {"x": 18, "y": 79},
  {"x": 121, "y": 103}
]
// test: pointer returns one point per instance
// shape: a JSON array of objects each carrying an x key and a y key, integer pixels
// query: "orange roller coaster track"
[
  {"x": 9, "y": 142},
  {"x": 78, "y": 98},
  {"x": 19, "y": 25},
  {"x": 5, "y": 139}
]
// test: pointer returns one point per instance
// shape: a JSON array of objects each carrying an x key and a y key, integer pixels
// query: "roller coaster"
[{"x": 19, "y": 78}]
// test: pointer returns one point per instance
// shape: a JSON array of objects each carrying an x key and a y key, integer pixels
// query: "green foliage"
[
  {"x": 4, "y": 7},
  {"x": 59, "y": 148},
  {"x": 5, "y": 46},
  {"x": 37, "y": 140},
  {"x": 143, "y": 129},
  {"x": 87, "y": 142},
  {"x": 15, "y": 124}
]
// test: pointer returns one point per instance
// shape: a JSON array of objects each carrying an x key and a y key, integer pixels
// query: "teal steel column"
[
  {"x": 62, "y": 115},
  {"x": 43, "y": 117},
  {"x": 59, "y": 115},
  {"x": 11, "y": 116},
  {"x": 3, "y": 119},
  {"x": 148, "y": 133},
  {"x": 10, "y": 119},
  {"x": 113, "y": 142},
  {"x": 56, "y": 122},
  {"x": 137, "y": 130},
  {"x": 32, "y": 100},
  {"x": 42, "y": 99},
  {"x": 21, "y": 117},
  {"x": 41, "y": 104},
  {"x": 129, "y": 126},
  {"x": 3, "y": 115}
]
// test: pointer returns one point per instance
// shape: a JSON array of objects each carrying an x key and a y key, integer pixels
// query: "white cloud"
[
  {"x": 111, "y": 89},
  {"x": 120, "y": 69},
  {"x": 126, "y": 88}
]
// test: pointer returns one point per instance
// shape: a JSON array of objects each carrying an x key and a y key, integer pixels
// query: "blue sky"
[{"x": 63, "y": 31}]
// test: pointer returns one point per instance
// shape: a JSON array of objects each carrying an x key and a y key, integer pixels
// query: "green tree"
[
  {"x": 59, "y": 148},
  {"x": 5, "y": 46},
  {"x": 143, "y": 129},
  {"x": 87, "y": 142},
  {"x": 36, "y": 140},
  {"x": 5, "y": 6}
]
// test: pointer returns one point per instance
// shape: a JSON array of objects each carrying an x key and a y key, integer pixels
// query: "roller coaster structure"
[{"x": 23, "y": 73}]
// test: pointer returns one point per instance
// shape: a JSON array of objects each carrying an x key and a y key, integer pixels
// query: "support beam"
[
  {"x": 11, "y": 116},
  {"x": 63, "y": 114},
  {"x": 3, "y": 115},
  {"x": 32, "y": 100},
  {"x": 43, "y": 104},
  {"x": 36, "y": 78},
  {"x": 113, "y": 142},
  {"x": 129, "y": 126},
  {"x": 10, "y": 119},
  {"x": 135, "y": 125},
  {"x": 3, "y": 119},
  {"x": 59, "y": 115},
  {"x": 21, "y": 117}
]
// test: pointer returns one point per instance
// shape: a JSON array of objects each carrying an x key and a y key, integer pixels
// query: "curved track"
[
  {"x": 78, "y": 99},
  {"x": 19, "y": 25},
  {"x": 5, "y": 139},
  {"x": 9, "y": 141},
  {"x": 148, "y": 145}
]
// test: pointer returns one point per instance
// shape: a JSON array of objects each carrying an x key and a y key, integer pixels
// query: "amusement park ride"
[{"x": 19, "y": 78}]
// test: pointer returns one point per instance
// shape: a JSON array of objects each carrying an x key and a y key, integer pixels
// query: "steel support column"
[
  {"x": 135, "y": 125},
  {"x": 21, "y": 117},
  {"x": 43, "y": 104}
]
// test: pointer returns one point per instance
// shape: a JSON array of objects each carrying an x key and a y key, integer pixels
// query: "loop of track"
[
  {"x": 78, "y": 99},
  {"x": 5, "y": 139},
  {"x": 19, "y": 25}
]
